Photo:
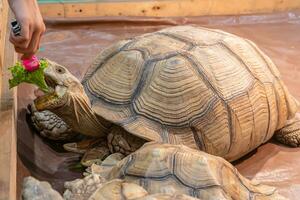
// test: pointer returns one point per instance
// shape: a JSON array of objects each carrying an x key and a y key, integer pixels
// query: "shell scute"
[
  {"x": 116, "y": 80},
  {"x": 155, "y": 45},
  {"x": 173, "y": 94}
]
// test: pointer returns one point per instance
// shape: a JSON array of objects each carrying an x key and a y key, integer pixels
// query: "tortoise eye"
[{"x": 60, "y": 70}]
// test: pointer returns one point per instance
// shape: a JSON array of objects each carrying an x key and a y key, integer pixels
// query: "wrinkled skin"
[
  {"x": 69, "y": 102},
  {"x": 69, "y": 107},
  {"x": 49, "y": 125}
]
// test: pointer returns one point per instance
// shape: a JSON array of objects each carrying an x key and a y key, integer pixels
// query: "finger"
[
  {"x": 43, "y": 29},
  {"x": 20, "y": 50},
  {"x": 12, "y": 39},
  {"x": 35, "y": 42},
  {"x": 32, "y": 48},
  {"x": 24, "y": 52},
  {"x": 16, "y": 40},
  {"x": 38, "y": 42},
  {"x": 22, "y": 40}
]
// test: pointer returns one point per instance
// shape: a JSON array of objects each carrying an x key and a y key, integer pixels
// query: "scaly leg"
[
  {"x": 290, "y": 133},
  {"x": 120, "y": 141},
  {"x": 49, "y": 125},
  {"x": 94, "y": 150}
]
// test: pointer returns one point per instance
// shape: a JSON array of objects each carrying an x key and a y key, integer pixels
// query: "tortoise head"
[
  {"x": 68, "y": 100},
  {"x": 62, "y": 86}
]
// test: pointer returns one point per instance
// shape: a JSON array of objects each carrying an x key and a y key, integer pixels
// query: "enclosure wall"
[{"x": 163, "y": 8}]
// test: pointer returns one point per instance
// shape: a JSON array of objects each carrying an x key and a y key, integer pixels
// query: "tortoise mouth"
[{"x": 51, "y": 99}]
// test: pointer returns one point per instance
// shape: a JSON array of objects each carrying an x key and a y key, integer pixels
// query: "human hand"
[{"x": 32, "y": 27}]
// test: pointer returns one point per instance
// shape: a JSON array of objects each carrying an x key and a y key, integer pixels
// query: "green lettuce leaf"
[{"x": 20, "y": 75}]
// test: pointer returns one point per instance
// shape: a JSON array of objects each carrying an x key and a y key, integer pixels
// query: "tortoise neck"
[{"x": 78, "y": 114}]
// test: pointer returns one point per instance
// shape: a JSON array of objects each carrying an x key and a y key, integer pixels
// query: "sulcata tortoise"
[
  {"x": 178, "y": 169},
  {"x": 199, "y": 87},
  {"x": 161, "y": 171}
]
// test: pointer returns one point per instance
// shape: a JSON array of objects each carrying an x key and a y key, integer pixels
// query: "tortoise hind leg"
[
  {"x": 84, "y": 145},
  {"x": 120, "y": 141},
  {"x": 95, "y": 155},
  {"x": 94, "y": 150},
  {"x": 290, "y": 133}
]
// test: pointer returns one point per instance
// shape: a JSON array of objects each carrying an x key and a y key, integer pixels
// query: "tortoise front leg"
[
  {"x": 120, "y": 141},
  {"x": 49, "y": 125},
  {"x": 290, "y": 133}
]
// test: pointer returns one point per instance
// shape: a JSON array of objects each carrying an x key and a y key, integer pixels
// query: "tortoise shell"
[
  {"x": 204, "y": 88},
  {"x": 177, "y": 169},
  {"x": 120, "y": 189}
]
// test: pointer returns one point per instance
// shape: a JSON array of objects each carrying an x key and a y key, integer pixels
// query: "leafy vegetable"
[{"x": 20, "y": 75}]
